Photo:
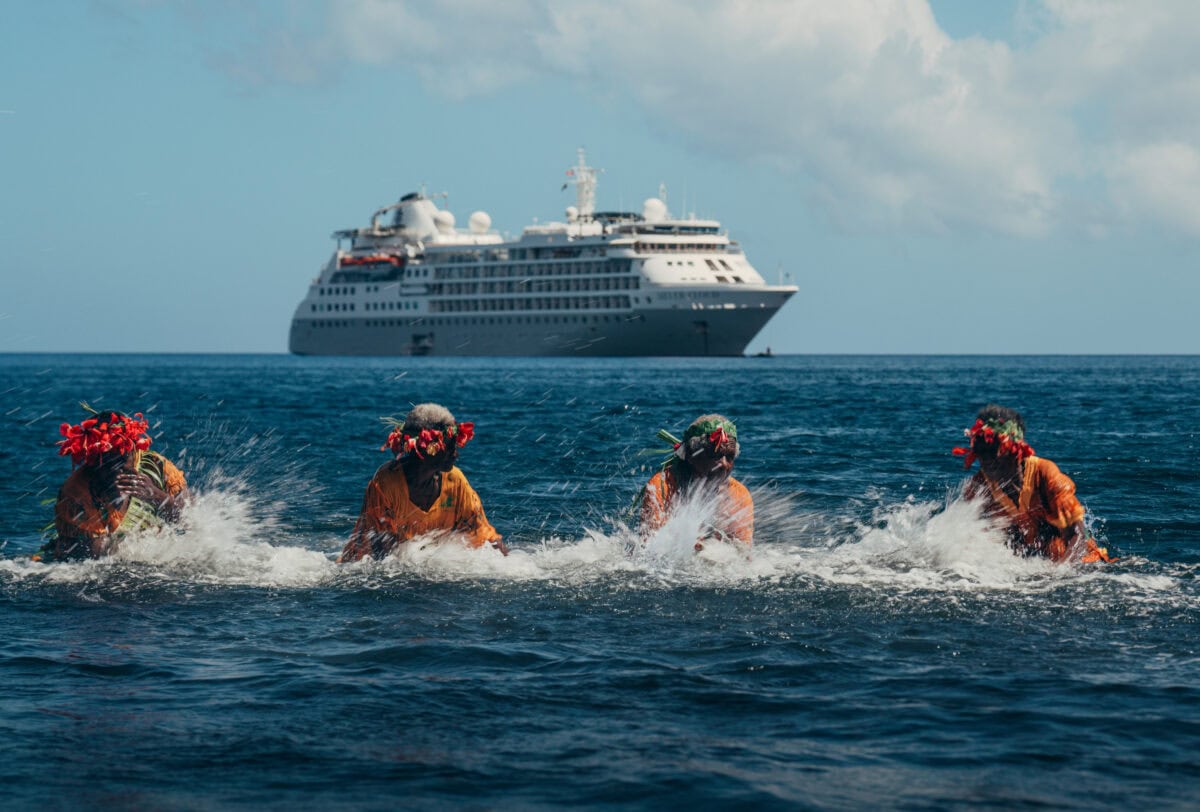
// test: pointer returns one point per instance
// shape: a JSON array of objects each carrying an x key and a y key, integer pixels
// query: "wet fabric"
[
  {"x": 734, "y": 515},
  {"x": 1045, "y": 508},
  {"x": 388, "y": 517},
  {"x": 83, "y": 518}
]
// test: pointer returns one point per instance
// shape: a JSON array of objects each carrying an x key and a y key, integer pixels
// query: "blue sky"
[{"x": 1003, "y": 177}]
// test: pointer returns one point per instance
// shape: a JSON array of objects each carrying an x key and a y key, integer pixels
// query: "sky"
[{"x": 1017, "y": 176}]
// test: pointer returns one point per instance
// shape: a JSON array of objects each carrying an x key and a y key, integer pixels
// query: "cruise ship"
[{"x": 600, "y": 283}]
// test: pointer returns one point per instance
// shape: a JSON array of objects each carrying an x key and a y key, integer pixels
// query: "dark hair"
[{"x": 995, "y": 415}]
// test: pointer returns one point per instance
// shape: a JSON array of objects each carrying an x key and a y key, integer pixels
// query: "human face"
[
  {"x": 445, "y": 459},
  {"x": 714, "y": 463}
]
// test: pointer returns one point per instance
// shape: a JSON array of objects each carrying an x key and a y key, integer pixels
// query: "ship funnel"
[{"x": 416, "y": 217}]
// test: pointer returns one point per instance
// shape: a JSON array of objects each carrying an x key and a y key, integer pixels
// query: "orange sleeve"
[
  {"x": 1057, "y": 492},
  {"x": 376, "y": 518},
  {"x": 741, "y": 517},
  {"x": 655, "y": 502},
  {"x": 470, "y": 518},
  {"x": 74, "y": 516},
  {"x": 173, "y": 479}
]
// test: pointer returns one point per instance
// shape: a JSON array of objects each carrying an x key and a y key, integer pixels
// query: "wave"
[{"x": 944, "y": 547}]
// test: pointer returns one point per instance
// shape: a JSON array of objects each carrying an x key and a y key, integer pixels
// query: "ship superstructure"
[{"x": 599, "y": 283}]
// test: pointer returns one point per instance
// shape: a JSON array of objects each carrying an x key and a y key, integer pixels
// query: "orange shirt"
[
  {"x": 1045, "y": 507},
  {"x": 389, "y": 517},
  {"x": 83, "y": 518},
  {"x": 734, "y": 517}
]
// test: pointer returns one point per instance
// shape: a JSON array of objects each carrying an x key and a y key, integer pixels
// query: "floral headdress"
[
  {"x": 717, "y": 430},
  {"x": 1006, "y": 436},
  {"x": 716, "y": 433},
  {"x": 102, "y": 433},
  {"x": 426, "y": 442}
]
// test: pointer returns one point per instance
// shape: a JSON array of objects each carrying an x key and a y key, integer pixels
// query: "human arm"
[
  {"x": 1061, "y": 509},
  {"x": 740, "y": 521},
  {"x": 83, "y": 526},
  {"x": 168, "y": 501},
  {"x": 655, "y": 499},
  {"x": 374, "y": 533},
  {"x": 472, "y": 521}
]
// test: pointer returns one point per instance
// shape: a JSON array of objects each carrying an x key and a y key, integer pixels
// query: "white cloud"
[
  {"x": 1160, "y": 183},
  {"x": 887, "y": 117}
]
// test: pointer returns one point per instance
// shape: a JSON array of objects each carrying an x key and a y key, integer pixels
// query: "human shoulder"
[
  {"x": 389, "y": 470},
  {"x": 76, "y": 485},
  {"x": 976, "y": 485},
  {"x": 456, "y": 479},
  {"x": 1046, "y": 469},
  {"x": 667, "y": 477},
  {"x": 80, "y": 476},
  {"x": 172, "y": 477},
  {"x": 738, "y": 489},
  {"x": 658, "y": 480},
  {"x": 388, "y": 481}
]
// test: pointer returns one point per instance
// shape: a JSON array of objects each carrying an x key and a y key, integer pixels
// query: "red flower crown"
[
  {"x": 88, "y": 442},
  {"x": 429, "y": 442},
  {"x": 1007, "y": 436},
  {"x": 719, "y": 438}
]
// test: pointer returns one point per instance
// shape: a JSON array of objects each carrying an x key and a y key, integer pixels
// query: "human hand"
[{"x": 140, "y": 486}]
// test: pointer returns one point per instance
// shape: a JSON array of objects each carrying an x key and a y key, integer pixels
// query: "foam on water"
[{"x": 230, "y": 538}]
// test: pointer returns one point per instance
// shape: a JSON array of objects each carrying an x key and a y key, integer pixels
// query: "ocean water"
[{"x": 879, "y": 649}]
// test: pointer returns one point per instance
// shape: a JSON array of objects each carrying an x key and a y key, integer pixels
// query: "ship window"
[
  {"x": 712, "y": 265},
  {"x": 724, "y": 264},
  {"x": 738, "y": 279},
  {"x": 721, "y": 278}
]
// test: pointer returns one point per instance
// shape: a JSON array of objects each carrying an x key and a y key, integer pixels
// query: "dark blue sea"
[{"x": 881, "y": 648}]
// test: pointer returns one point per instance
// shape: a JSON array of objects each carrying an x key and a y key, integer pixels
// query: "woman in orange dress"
[
  {"x": 702, "y": 461},
  {"x": 1026, "y": 493},
  {"x": 421, "y": 491},
  {"x": 119, "y": 485}
]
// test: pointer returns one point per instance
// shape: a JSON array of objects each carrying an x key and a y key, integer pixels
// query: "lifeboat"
[{"x": 373, "y": 259}]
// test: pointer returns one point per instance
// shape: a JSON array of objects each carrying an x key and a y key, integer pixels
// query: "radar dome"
[
  {"x": 572, "y": 214},
  {"x": 654, "y": 210},
  {"x": 444, "y": 221},
  {"x": 480, "y": 222}
]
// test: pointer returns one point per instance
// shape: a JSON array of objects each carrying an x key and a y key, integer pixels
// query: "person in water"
[
  {"x": 420, "y": 491},
  {"x": 118, "y": 486},
  {"x": 1028, "y": 494},
  {"x": 702, "y": 462}
]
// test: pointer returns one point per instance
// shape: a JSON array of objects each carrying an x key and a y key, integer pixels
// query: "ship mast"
[{"x": 584, "y": 178}]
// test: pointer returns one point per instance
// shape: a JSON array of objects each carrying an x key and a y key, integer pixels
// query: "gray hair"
[{"x": 428, "y": 416}]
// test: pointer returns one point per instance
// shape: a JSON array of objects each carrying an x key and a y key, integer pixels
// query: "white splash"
[{"x": 228, "y": 537}]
